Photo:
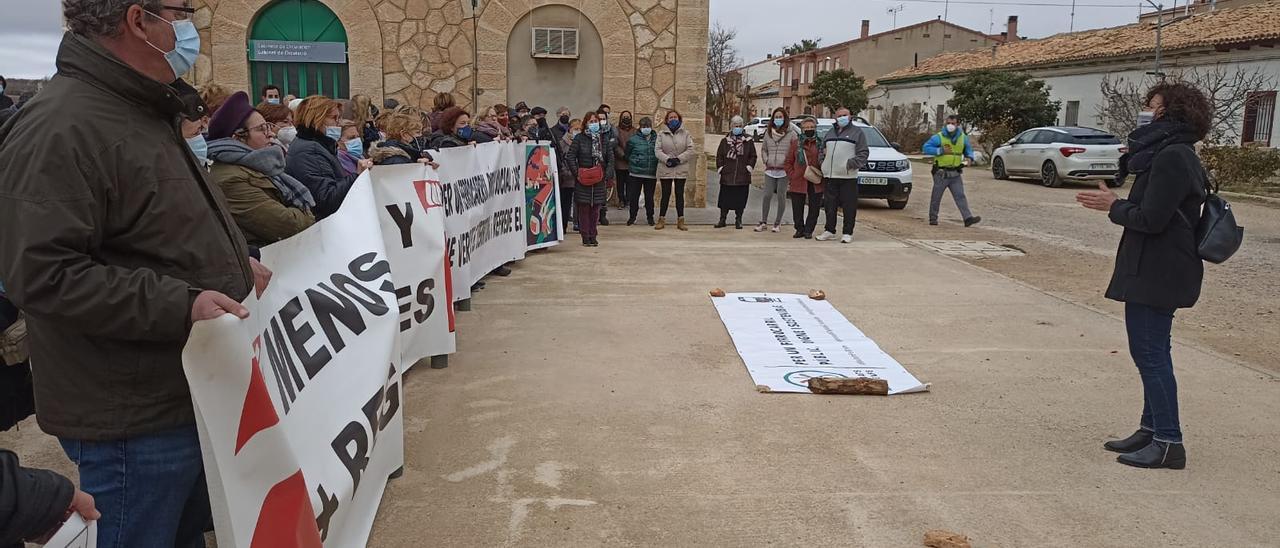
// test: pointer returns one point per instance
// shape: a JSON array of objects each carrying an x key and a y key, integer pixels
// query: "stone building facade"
[{"x": 650, "y": 54}]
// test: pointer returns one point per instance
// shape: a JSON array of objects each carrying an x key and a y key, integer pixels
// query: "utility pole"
[
  {"x": 475, "y": 54},
  {"x": 1072, "y": 28},
  {"x": 1159, "y": 30},
  {"x": 946, "y": 9}
]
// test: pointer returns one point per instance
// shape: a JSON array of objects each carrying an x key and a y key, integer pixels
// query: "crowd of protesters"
[{"x": 146, "y": 217}]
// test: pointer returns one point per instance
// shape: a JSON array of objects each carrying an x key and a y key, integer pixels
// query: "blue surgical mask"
[
  {"x": 737, "y": 131},
  {"x": 464, "y": 132},
  {"x": 777, "y": 122},
  {"x": 355, "y": 147},
  {"x": 673, "y": 124},
  {"x": 273, "y": 101},
  {"x": 333, "y": 132},
  {"x": 200, "y": 148},
  {"x": 186, "y": 46},
  {"x": 594, "y": 127},
  {"x": 842, "y": 121},
  {"x": 646, "y": 131}
]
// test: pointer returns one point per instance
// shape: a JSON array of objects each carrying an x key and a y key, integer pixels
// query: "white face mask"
[
  {"x": 287, "y": 135},
  {"x": 951, "y": 128}
]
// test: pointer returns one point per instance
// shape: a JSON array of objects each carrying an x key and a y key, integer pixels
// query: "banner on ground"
[{"x": 785, "y": 339}]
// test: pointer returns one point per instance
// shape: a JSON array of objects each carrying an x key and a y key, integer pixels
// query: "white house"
[{"x": 1239, "y": 40}]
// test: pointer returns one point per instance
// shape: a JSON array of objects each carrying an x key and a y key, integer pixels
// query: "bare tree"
[
  {"x": 905, "y": 125},
  {"x": 1120, "y": 106},
  {"x": 722, "y": 58},
  {"x": 1228, "y": 90}
]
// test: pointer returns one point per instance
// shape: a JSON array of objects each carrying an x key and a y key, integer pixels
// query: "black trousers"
[
  {"x": 666, "y": 196},
  {"x": 567, "y": 207},
  {"x": 624, "y": 182},
  {"x": 634, "y": 187},
  {"x": 841, "y": 193},
  {"x": 805, "y": 223}
]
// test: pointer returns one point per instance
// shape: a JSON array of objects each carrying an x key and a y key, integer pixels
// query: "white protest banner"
[
  {"x": 299, "y": 406},
  {"x": 75, "y": 533},
  {"x": 412, "y": 219},
  {"x": 785, "y": 339},
  {"x": 482, "y": 191},
  {"x": 542, "y": 208}
]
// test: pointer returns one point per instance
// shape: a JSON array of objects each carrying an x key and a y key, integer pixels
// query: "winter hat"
[
  {"x": 230, "y": 116},
  {"x": 537, "y": 110},
  {"x": 293, "y": 105},
  {"x": 521, "y": 106}
]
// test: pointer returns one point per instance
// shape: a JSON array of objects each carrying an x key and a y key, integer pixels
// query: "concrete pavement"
[{"x": 596, "y": 399}]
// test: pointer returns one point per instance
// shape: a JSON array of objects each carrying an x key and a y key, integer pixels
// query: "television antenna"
[{"x": 895, "y": 11}]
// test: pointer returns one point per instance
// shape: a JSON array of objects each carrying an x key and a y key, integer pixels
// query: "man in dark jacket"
[
  {"x": 115, "y": 244},
  {"x": 34, "y": 503}
]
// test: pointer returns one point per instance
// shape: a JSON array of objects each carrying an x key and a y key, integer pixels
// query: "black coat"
[
  {"x": 1157, "y": 263},
  {"x": 32, "y": 501},
  {"x": 579, "y": 156},
  {"x": 313, "y": 160}
]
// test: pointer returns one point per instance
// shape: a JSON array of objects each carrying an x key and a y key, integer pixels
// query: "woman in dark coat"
[
  {"x": 455, "y": 129},
  {"x": 590, "y": 149},
  {"x": 736, "y": 159},
  {"x": 313, "y": 156},
  {"x": 1158, "y": 269},
  {"x": 568, "y": 178}
]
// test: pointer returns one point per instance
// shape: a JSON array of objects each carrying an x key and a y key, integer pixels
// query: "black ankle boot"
[
  {"x": 722, "y": 223},
  {"x": 737, "y": 223},
  {"x": 1138, "y": 440},
  {"x": 1158, "y": 454}
]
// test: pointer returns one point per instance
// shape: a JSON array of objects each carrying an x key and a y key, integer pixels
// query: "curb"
[{"x": 1254, "y": 198}]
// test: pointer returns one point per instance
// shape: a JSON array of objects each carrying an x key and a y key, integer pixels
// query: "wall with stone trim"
[{"x": 655, "y": 52}]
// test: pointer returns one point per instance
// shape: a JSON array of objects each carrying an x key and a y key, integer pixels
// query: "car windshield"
[
  {"x": 875, "y": 138},
  {"x": 1096, "y": 139}
]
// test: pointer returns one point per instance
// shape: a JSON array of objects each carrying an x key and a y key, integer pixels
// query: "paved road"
[{"x": 1070, "y": 252}]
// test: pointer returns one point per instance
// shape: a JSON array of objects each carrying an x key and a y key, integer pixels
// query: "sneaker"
[
  {"x": 825, "y": 236},
  {"x": 972, "y": 221},
  {"x": 847, "y": 238},
  {"x": 761, "y": 227},
  {"x": 777, "y": 229}
]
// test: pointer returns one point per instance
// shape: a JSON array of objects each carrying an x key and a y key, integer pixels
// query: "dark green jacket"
[
  {"x": 111, "y": 229},
  {"x": 640, "y": 157}
]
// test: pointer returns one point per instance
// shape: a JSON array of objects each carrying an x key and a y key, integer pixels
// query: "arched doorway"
[
  {"x": 555, "y": 58},
  {"x": 301, "y": 46}
]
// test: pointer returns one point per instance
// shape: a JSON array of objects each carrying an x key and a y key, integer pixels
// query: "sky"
[{"x": 31, "y": 29}]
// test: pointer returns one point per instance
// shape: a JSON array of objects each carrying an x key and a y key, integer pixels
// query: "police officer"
[{"x": 951, "y": 151}]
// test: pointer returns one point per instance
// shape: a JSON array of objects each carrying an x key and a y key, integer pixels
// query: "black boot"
[
  {"x": 737, "y": 222},
  {"x": 631, "y": 221},
  {"x": 1158, "y": 454},
  {"x": 799, "y": 233},
  {"x": 722, "y": 222},
  {"x": 651, "y": 220},
  {"x": 1138, "y": 440}
]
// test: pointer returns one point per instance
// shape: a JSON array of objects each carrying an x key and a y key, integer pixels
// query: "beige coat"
[{"x": 675, "y": 145}]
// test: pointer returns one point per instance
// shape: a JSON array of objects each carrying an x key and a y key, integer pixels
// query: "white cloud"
[{"x": 28, "y": 56}]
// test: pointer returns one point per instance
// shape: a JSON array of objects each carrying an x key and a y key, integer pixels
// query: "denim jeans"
[
  {"x": 1149, "y": 332},
  {"x": 150, "y": 489}
]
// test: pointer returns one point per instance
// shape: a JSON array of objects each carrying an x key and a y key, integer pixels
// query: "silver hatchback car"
[{"x": 1056, "y": 155}]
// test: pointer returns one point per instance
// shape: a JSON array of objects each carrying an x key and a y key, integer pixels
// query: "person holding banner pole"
[
  {"x": 591, "y": 158},
  {"x": 124, "y": 245}
]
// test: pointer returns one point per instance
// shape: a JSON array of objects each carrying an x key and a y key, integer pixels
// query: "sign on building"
[{"x": 297, "y": 52}]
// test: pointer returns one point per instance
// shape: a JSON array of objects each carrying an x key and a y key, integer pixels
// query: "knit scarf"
[
  {"x": 1147, "y": 141},
  {"x": 268, "y": 161},
  {"x": 597, "y": 151},
  {"x": 735, "y": 146}
]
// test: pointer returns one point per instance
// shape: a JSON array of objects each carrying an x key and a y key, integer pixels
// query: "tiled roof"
[{"x": 1225, "y": 27}]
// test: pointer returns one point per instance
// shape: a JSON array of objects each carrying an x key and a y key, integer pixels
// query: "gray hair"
[
  {"x": 101, "y": 18},
  {"x": 562, "y": 111},
  {"x": 736, "y": 120},
  {"x": 646, "y": 122}
]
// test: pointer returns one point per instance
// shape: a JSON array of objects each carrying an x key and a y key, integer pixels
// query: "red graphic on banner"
[
  {"x": 258, "y": 413},
  {"x": 421, "y": 187},
  {"x": 448, "y": 284},
  {"x": 286, "y": 519}
]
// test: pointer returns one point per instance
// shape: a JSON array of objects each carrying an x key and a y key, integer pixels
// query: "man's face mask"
[{"x": 186, "y": 46}]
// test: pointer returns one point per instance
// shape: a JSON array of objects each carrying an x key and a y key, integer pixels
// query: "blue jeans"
[
  {"x": 150, "y": 489},
  {"x": 1149, "y": 331}
]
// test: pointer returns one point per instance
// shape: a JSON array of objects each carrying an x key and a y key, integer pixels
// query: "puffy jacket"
[
  {"x": 111, "y": 229},
  {"x": 736, "y": 171},
  {"x": 844, "y": 152},
  {"x": 257, "y": 206},
  {"x": 1157, "y": 263},
  {"x": 620, "y": 153},
  {"x": 674, "y": 144},
  {"x": 32, "y": 502},
  {"x": 313, "y": 160},
  {"x": 641, "y": 161},
  {"x": 392, "y": 152},
  {"x": 796, "y": 168},
  {"x": 774, "y": 148},
  {"x": 579, "y": 156}
]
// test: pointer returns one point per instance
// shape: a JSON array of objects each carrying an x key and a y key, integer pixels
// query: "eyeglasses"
[
  {"x": 263, "y": 128},
  {"x": 185, "y": 12}
]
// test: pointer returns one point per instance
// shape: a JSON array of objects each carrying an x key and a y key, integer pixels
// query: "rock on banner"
[{"x": 299, "y": 406}]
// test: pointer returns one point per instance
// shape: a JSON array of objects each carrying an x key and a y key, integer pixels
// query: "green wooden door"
[{"x": 299, "y": 21}]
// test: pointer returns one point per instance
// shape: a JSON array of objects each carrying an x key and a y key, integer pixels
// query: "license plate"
[
  {"x": 873, "y": 180},
  {"x": 1102, "y": 166}
]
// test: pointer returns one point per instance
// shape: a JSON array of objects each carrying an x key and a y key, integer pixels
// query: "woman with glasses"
[
  {"x": 267, "y": 204},
  {"x": 313, "y": 157}
]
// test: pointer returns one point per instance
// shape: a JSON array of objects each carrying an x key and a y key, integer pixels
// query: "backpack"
[{"x": 1218, "y": 236}]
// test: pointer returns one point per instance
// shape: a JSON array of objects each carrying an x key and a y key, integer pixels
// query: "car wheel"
[
  {"x": 897, "y": 205},
  {"x": 1114, "y": 183},
  {"x": 1049, "y": 175},
  {"x": 997, "y": 169}
]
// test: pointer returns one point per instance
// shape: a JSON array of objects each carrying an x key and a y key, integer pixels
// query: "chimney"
[
  {"x": 866, "y": 28},
  {"x": 1013, "y": 28}
]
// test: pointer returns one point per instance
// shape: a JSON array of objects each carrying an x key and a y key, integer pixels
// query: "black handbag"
[{"x": 1218, "y": 236}]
